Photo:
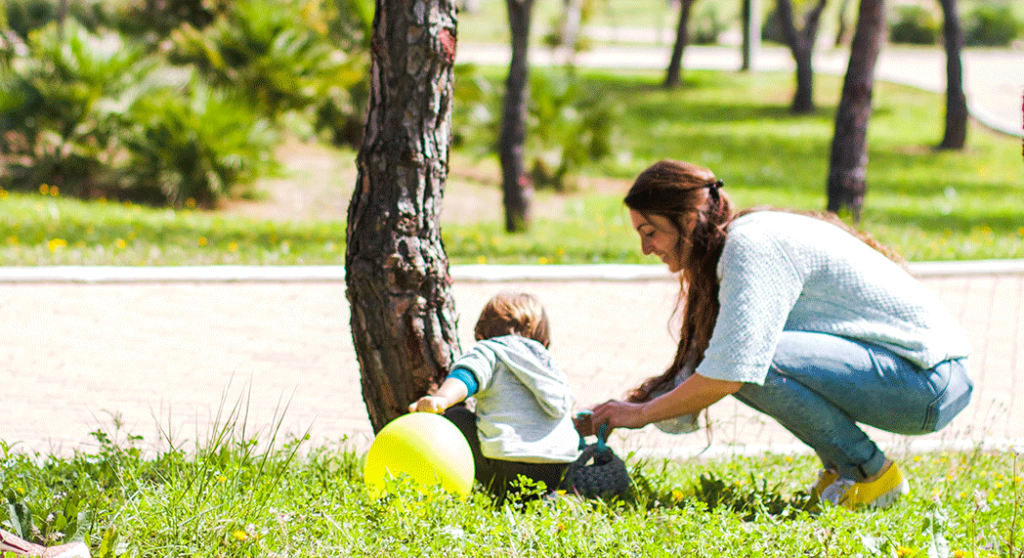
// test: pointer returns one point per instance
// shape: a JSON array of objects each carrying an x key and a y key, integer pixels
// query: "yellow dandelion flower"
[
  {"x": 56, "y": 244},
  {"x": 3, "y": 194},
  {"x": 677, "y": 495},
  {"x": 905, "y": 551},
  {"x": 233, "y": 246},
  {"x": 202, "y": 241},
  {"x": 542, "y": 260},
  {"x": 959, "y": 553},
  {"x": 12, "y": 240},
  {"x": 54, "y": 191},
  {"x": 190, "y": 203},
  {"x": 44, "y": 189},
  {"x": 240, "y": 535},
  {"x": 221, "y": 478},
  {"x": 481, "y": 260},
  {"x": 120, "y": 243},
  {"x": 917, "y": 458}
]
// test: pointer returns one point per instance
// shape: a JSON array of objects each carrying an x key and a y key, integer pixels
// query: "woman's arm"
[{"x": 690, "y": 397}]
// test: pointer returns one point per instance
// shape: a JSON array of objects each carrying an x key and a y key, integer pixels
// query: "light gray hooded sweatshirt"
[{"x": 523, "y": 404}]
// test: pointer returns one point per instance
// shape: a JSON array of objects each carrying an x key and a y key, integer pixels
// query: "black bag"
[{"x": 597, "y": 472}]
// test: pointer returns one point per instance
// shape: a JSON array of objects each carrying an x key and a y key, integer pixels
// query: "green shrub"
[
  {"x": 988, "y": 25},
  {"x": 566, "y": 130},
  {"x": 61, "y": 106},
  {"x": 198, "y": 145},
  {"x": 914, "y": 25},
  {"x": 708, "y": 26},
  {"x": 93, "y": 116},
  {"x": 280, "y": 56}
]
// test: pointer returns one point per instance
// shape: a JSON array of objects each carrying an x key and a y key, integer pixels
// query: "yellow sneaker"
[
  {"x": 825, "y": 479},
  {"x": 879, "y": 493}
]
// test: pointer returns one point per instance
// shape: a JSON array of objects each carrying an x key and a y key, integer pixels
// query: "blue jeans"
[{"x": 820, "y": 386}]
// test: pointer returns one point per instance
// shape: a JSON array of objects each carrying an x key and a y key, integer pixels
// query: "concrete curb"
[{"x": 462, "y": 273}]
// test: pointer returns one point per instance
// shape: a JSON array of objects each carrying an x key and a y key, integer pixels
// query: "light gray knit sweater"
[
  {"x": 781, "y": 271},
  {"x": 523, "y": 404}
]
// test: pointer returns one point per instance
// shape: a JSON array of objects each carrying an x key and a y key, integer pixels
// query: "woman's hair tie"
[{"x": 713, "y": 188}]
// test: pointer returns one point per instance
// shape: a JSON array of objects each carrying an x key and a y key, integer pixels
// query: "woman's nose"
[{"x": 645, "y": 246}]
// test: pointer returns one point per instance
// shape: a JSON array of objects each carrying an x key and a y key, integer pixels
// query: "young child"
[{"x": 523, "y": 423}]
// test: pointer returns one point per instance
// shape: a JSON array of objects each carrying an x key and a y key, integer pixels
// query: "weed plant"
[{"x": 240, "y": 494}]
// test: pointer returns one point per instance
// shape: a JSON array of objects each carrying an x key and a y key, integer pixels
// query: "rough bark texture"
[
  {"x": 801, "y": 43},
  {"x": 956, "y": 102},
  {"x": 674, "y": 75},
  {"x": 396, "y": 271},
  {"x": 847, "y": 183},
  {"x": 516, "y": 188}
]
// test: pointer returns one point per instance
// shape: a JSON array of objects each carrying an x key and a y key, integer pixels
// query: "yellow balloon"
[{"x": 427, "y": 448}]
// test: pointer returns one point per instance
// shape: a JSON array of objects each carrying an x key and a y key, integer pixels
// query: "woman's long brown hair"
[{"x": 680, "y": 191}]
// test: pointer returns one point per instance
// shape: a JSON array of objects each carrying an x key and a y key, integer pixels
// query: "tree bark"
[
  {"x": 956, "y": 102},
  {"x": 516, "y": 189},
  {"x": 396, "y": 271},
  {"x": 801, "y": 43},
  {"x": 674, "y": 75},
  {"x": 847, "y": 184}
]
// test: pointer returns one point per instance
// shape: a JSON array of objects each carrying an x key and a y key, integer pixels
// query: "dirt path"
[{"x": 316, "y": 185}]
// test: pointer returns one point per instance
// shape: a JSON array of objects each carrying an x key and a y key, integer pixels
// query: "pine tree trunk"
[
  {"x": 956, "y": 102},
  {"x": 847, "y": 184},
  {"x": 396, "y": 271},
  {"x": 515, "y": 187},
  {"x": 674, "y": 74}
]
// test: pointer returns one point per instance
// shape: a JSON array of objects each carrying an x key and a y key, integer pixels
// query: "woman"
[{"x": 802, "y": 319}]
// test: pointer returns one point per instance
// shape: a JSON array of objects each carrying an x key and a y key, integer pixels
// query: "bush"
[
  {"x": 708, "y": 26},
  {"x": 914, "y": 25},
  {"x": 281, "y": 57},
  {"x": 201, "y": 145},
  {"x": 992, "y": 26},
  {"x": 567, "y": 130},
  {"x": 95, "y": 117},
  {"x": 60, "y": 107}
]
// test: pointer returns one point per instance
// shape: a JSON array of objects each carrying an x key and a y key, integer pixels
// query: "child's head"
[{"x": 511, "y": 313}]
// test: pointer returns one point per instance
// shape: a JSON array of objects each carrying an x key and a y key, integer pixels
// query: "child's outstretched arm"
[{"x": 452, "y": 391}]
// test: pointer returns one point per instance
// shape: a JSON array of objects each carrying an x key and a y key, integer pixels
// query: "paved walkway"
[{"x": 168, "y": 351}]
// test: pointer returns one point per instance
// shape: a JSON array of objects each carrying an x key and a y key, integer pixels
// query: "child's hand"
[{"x": 429, "y": 404}]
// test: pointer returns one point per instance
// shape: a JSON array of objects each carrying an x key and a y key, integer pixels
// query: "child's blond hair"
[{"x": 509, "y": 313}]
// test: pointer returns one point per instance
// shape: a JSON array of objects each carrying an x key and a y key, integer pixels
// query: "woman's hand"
[{"x": 619, "y": 414}]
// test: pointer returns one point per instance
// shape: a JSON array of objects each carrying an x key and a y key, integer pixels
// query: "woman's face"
[{"x": 660, "y": 237}]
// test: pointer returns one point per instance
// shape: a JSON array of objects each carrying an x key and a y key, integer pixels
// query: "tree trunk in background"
[
  {"x": 750, "y": 21},
  {"x": 673, "y": 76},
  {"x": 515, "y": 187},
  {"x": 847, "y": 182},
  {"x": 396, "y": 271},
  {"x": 801, "y": 43},
  {"x": 841, "y": 25},
  {"x": 956, "y": 102}
]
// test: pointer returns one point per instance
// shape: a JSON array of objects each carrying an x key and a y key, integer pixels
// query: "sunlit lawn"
[
  {"x": 238, "y": 496},
  {"x": 930, "y": 205}
]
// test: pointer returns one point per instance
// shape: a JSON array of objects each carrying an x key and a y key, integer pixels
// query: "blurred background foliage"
[{"x": 173, "y": 102}]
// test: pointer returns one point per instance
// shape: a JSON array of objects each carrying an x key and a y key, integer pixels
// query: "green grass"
[
  {"x": 241, "y": 494},
  {"x": 930, "y": 205}
]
